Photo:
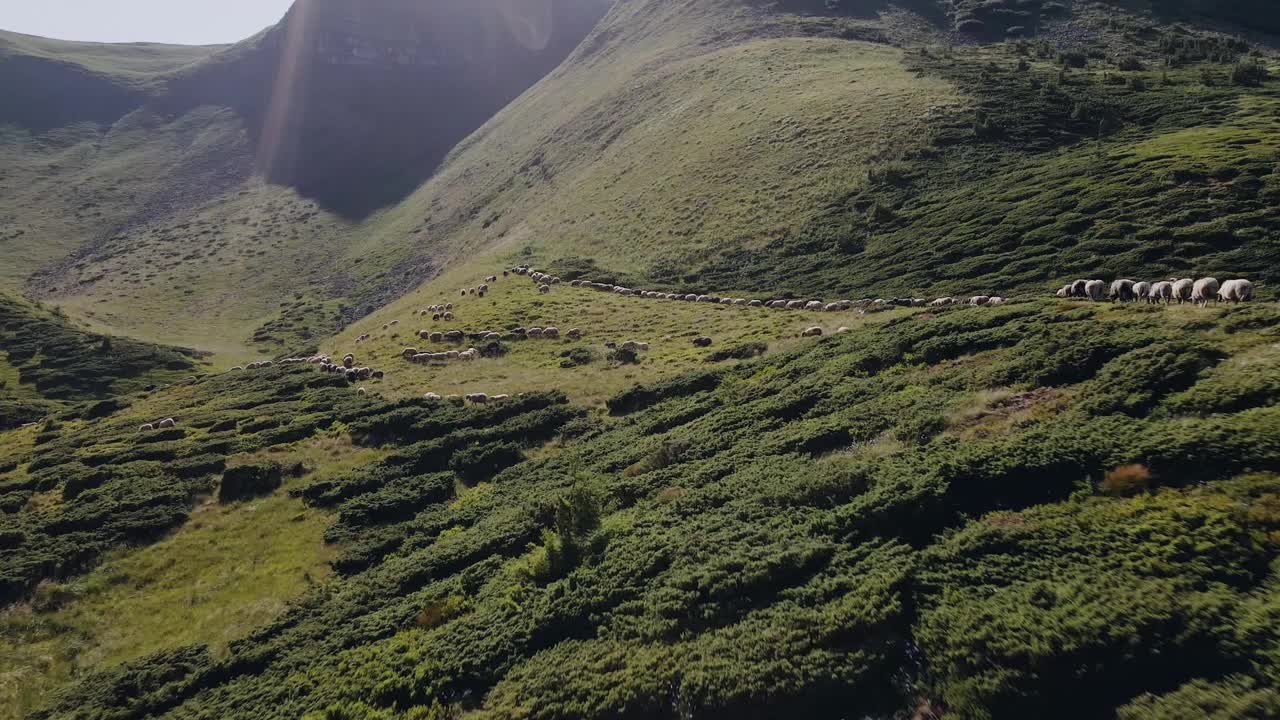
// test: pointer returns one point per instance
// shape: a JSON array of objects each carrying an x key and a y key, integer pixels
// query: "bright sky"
[{"x": 188, "y": 22}]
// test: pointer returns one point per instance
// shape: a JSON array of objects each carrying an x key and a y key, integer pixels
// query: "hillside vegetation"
[{"x": 1050, "y": 509}]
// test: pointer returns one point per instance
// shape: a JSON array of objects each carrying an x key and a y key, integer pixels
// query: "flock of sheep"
[
  {"x": 1201, "y": 292},
  {"x": 546, "y": 281},
  {"x": 473, "y": 398}
]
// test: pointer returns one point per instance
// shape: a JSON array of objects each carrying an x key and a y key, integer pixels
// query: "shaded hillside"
[
  {"x": 1045, "y": 509},
  {"x": 47, "y": 364},
  {"x": 354, "y": 104}
]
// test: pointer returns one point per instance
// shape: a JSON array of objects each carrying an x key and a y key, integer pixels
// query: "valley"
[{"x": 879, "y": 462}]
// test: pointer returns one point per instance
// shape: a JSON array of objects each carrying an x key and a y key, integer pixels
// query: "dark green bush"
[
  {"x": 577, "y": 357},
  {"x": 245, "y": 482},
  {"x": 738, "y": 352},
  {"x": 481, "y": 462}
]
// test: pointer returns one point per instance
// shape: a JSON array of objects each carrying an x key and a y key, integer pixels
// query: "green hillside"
[
  {"x": 47, "y": 365},
  {"x": 710, "y": 148},
  {"x": 1047, "y": 509},
  {"x": 1042, "y": 508}
]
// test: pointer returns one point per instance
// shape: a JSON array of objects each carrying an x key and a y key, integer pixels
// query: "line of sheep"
[
  {"x": 457, "y": 336},
  {"x": 473, "y": 398},
  {"x": 1184, "y": 290},
  {"x": 165, "y": 423},
  {"x": 545, "y": 282},
  {"x": 413, "y": 355}
]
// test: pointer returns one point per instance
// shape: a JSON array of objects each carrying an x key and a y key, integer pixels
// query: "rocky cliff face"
[{"x": 355, "y": 102}]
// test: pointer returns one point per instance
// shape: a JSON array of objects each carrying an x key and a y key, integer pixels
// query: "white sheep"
[
  {"x": 1094, "y": 290},
  {"x": 1121, "y": 291},
  {"x": 1236, "y": 291},
  {"x": 1204, "y": 290},
  {"x": 1182, "y": 290},
  {"x": 1161, "y": 291}
]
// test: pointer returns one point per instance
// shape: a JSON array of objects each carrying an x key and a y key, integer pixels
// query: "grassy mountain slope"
[
  {"x": 717, "y": 146},
  {"x": 1080, "y": 495}
]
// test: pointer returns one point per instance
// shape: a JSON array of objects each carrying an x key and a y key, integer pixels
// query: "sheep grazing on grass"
[
  {"x": 996, "y": 300},
  {"x": 1122, "y": 291},
  {"x": 492, "y": 336},
  {"x": 544, "y": 289},
  {"x": 408, "y": 353},
  {"x": 574, "y": 333},
  {"x": 1204, "y": 290},
  {"x": 378, "y": 374},
  {"x": 1236, "y": 291},
  {"x": 454, "y": 336},
  {"x": 362, "y": 391},
  {"x": 756, "y": 303},
  {"x": 1182, "y": 290},
  {"x": 1094, "y": 290},
  {"x": 979, "y": 300},
  {"x": 942, "y": 302},
  {"x": 447, "y": 316},
  {"x": 234, "y": 369},
  {"x": 1064, "y": 291},
  {"x": 1142, "y": 291},
  {"x": 535, "y": 333},
  {"x": 477, "y": 398},
  {"x": 812, "y": 332},
  {"x": 348, "y": 360},
  {"x": 432, "y": 397},
  {"x": 841, "y": 330},
  {"x": 702, "y": 342},
  {"x": 147, "y": 427},
  {"x": 1079, "y": 289},
  {"x": 500, "y": 398},
  {"x": 1160, "y": 292},
  {"x": 551, "y": 333},
  {"x": 168, "y": 423}
]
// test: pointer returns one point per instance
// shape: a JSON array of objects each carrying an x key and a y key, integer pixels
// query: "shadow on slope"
[{"x": 356, "y": 105}]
